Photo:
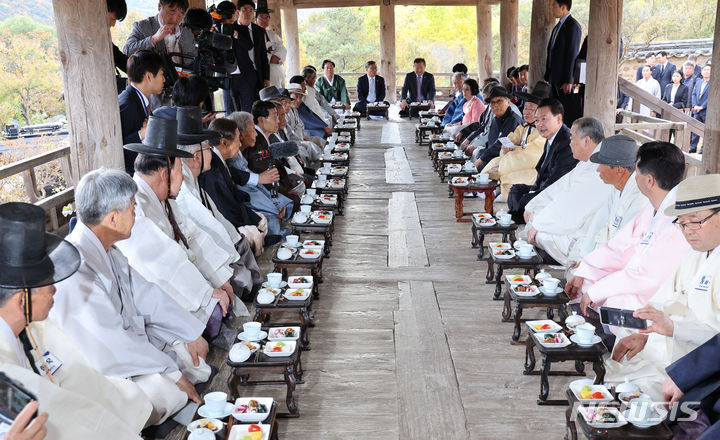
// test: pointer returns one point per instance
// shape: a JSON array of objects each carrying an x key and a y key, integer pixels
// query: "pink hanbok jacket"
[
  {"x": 472, "y": 110},
  {"x": 627, "y": 270}
]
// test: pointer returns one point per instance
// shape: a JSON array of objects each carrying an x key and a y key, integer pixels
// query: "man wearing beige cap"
[{"x": 685, "y": 311}]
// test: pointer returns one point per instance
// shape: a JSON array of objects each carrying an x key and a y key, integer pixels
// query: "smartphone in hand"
[{"x": 621, "y": 318}]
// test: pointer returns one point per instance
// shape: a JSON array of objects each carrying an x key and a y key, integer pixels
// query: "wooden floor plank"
[
  {"x": 397, "y": 168},
  {"x": 406, "y": 246}
]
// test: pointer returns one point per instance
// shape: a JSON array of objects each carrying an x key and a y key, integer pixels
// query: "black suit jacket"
[
  {"x": 242, "y": 44},
  {"x": 132, "y": 118},
  {"x": 427, "y": 87},
  {"x": 363, "y": 88},
  {"x": 259, "y": 159},
  {"x": 230, "y": 201},
  {"x": 561, "y": 56},
  {"x": 560, "y": 161},
  {"x": 664, "y": 77},
  {"x": 680, "y": 96},
  {"x": 697, "y": 374}
]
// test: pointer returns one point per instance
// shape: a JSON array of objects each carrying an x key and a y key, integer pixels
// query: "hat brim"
[
  {"x": 671, "y": 211},
  {"x": 599, "y": 159},
  {"x": 264, "y": 11},
  {"x": 528, "y": 97},
  {"x": 299, "y": 92},
  {"x": 161, "y": 152},
  {"x": 190, "y": 139},
  {"x": 62, "y": 260}
]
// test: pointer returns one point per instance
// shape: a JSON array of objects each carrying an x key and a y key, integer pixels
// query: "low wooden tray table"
[
  {"x": 572, "y": 352},
  {"x": 350, "y": 130},
  {"x": 433, "y": 151},
  {"x": 271, "y": 420},
  {"x": 296, "y": 262},
  {"x": 378, "y": 110},
  {"x": 532, "y": 264},
  {"x": 416, "y": 108},
  {"x": 263, "y": 313},
  {"x": 555, "y": 302},
  {"x": 479, "y": 231},
  {"x": 658, "y": 432},
  {"x": 336, "y": 161},
  {"x": 326, "y": 229},
  {"x": 290, "y": 367},
  {"x": 443, "y": 162},
  {"x": 459, "y": 191},
  {"x": 424, "y": 132}
]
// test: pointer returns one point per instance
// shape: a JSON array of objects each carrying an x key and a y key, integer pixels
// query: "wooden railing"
[
  {"x": 54, "y": 203},
  {"x": 663, "y": 111},
  {"x": 647, "y": 129}
]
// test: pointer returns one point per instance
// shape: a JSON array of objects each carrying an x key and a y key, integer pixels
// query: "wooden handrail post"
[{"x": 711, "y": 150}]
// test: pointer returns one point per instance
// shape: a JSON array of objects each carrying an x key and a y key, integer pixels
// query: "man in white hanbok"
[
  {"x": 166, "y": 247},
  {"x": 275, "y": 49},
  {"x": 75, "y": 401},
  {"x": 616, "y": 167},
  {"x": 559, "y": 217},
  {"x": 199, "y": 206},
  {"x": 130, "y": 328},
  {"x": 685, "y": 311}
]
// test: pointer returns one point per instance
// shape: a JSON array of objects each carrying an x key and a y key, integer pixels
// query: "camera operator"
[
  {"x": 163, "y": 33},
  {"x": 253, "y": 70}
]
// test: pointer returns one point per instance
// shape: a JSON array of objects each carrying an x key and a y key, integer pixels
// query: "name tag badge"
[
  {"x": 617, "y": 221},
  {"x": 704, "y": 284},
  {"x": 53, "y": 364},
  {"x": 646, "y": 238}
]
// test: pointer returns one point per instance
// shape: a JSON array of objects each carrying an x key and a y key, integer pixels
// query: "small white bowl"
[{"x": 239, "y": 353}]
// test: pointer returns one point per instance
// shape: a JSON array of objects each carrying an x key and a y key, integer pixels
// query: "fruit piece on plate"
[{"x": 598, "y": 395}]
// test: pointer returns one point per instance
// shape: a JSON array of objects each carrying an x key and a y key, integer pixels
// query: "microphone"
[{"x": 280, "y": 150}]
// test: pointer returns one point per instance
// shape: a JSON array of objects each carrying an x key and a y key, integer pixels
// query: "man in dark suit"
[
  {"x": 253, "y": 69},
  {"x": 699, "y": 103},
  {"x": 562, "y": 49},
  {"x": 418, "y": 86},
  {"x": 556, "y": 161},
  {"x": 664, "y": 70},
  {"x": 145, "y": 76},
  {"x": 117, "y": 11},
  {"x": 370, "y": 88},
  {"x": 258, "y": 156},
  {"x": 650, "y": 60},
  {"x": 695, "y": 378}
]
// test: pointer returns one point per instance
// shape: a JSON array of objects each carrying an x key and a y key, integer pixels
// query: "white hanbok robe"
[
  {"x": 311, "y": 100},
  {"x": 652, "y": 86},
  {"x": 187, "y": 275},
  {"x": 131, "y": 328},
  {"x": 618, "y": 211},
  {"x": 691, "y": 298},
  {"x": 562, "y": 213},
  {"x": 82, "y": 404},
  {"x": 246, "y": 272},
  {"x": 276, "y": 47}
]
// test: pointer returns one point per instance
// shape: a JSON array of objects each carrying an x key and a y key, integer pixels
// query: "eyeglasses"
[
  {"x": 694, "y": 226},
  {"x": 496, "y": 102}
]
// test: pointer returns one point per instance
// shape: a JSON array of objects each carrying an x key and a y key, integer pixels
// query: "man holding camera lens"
[{"x": 163, "y": 32}]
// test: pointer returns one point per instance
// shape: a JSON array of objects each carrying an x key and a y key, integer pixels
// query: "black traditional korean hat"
[
  {"x": 190, "y": 127},
  {"x": 262, "y": 8},
  {"x": 539, "y": 92},
  {"x": 161, "y": 139},
  {"x": 29, "y": 256}
]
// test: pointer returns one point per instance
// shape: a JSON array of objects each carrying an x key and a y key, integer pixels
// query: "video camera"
[{"x": 214, "y": 50}]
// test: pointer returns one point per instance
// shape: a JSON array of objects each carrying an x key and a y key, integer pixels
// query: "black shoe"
[{"x": 272, "y": 239}]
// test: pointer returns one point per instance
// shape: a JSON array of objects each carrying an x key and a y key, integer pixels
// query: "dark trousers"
[
  {"x": 694, "y": 139},
  {"x": 518, "y": 198},
  {"x": 242, "y": 94}
]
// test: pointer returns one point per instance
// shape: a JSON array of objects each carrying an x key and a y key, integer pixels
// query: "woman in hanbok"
[
  {"x": 472, "y": 108},
  {"x": 650, "y": 85}
]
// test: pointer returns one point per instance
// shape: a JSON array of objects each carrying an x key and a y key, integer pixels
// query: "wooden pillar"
[
  {"x": 197, "y": 4},
  {"x": 541, "y": 25},
  {"x": 602, "y": 61},
  {"x": 484, "y": 39},
  {"x": 275, "y": 17},
  {"x": 508, "y": 37},
  {"x": 90, "y": 92},
  {"x": 711, "y": 138},
  {"x": 387, "y": 49},
  {"x": 292, "y": 41}
]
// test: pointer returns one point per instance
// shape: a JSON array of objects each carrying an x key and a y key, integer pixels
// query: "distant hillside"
[{"x": 42, "y": 10}]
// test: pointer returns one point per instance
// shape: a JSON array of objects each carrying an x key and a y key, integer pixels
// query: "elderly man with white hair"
[
  {"x": 559, "y": 217},
  {"x": 128, "y": 327},
  {"x": 199, "y": 206}
]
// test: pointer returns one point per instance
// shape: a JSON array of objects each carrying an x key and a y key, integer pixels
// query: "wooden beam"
[
  {"x": 602, "y": 61},
  {"x": 197, "y": 4},
  {"x": 508, "y": 36},
  {"x": 292, "y": 41},
  {"x": 710, "y": 149},
  {"x": 484, "y": 39},
  {"x": 387, "y": 50},
  {"x": 541, "y": 25},
  {"x": 90, "y": 93}
]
